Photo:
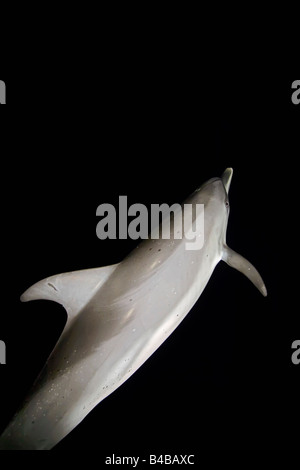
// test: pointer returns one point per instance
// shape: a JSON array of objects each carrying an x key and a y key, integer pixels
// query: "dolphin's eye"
[{"x": 227, "y": 203}]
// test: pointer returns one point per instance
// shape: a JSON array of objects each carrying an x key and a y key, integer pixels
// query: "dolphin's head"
[
  {"x": 214, "y": 195},
  {"x": 217, "y": 188},
  {"x": 216, "y": 191},
  {"x": 225, "y": 182}
]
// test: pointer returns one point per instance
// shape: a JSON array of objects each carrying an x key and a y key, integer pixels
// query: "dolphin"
[{"x": 117, "y": 317}]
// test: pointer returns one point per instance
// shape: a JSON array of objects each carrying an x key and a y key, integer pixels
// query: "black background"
[{"x": 154, "y": 127}]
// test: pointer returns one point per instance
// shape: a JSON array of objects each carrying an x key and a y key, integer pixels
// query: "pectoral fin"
[{"x": 240, "y": 263}]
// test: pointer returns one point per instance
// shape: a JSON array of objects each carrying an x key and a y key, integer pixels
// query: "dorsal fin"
[{"x": 72, "y": 290}]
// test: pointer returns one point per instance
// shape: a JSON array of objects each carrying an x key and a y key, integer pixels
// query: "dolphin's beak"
[{"x": 226, "y": 178}]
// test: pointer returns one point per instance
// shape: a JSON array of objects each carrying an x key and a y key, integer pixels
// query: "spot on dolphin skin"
[{"x": 51, "y": 285}]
